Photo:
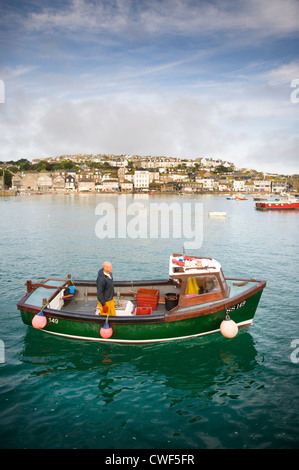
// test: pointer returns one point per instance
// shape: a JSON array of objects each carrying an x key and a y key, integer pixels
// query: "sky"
[{"x": 174, "y": 78}]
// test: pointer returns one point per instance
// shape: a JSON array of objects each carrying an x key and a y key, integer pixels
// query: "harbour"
[
  {"x": 208, "y": 392},
  {"x": 149, "y": 202}
]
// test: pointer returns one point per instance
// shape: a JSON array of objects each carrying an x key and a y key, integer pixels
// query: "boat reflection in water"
[{"x": 182, "y": 365}]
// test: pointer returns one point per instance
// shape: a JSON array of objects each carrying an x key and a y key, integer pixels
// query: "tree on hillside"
[
  {"x": 223, "y": 169},
  {"x": 7, "y": 178}
]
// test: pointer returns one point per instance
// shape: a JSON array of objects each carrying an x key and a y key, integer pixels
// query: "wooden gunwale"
[
  {"x": 178, "y": 313},
  {"x": 22, "y": 305},
  {"x": 33, "y": 308},
  {"x": 91, "y": 318}
]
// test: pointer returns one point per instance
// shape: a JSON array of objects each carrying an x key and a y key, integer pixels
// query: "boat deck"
[
  {"x": 85, "y": 299},
  {"x": 89, "y": 307}
]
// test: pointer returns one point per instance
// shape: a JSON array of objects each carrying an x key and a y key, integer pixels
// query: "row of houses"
[
  {"x": 91, "y": 180},
  {"x": 241, "y": 185},
  {"x": 88, "y": 181},
  {"x": 25, "y": 182}
]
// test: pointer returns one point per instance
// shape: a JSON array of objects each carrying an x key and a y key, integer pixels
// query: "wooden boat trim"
[
  {"x": 175, "y": 315},
  {"x": 91, "y": 318},
  {"x": 181, "y": 312}
]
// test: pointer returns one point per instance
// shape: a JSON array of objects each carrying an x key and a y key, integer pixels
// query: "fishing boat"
[
  {"x": 217, "y": 214},
  {"x": 237, "y": 198},
  {"x": 196, "y": 299},
  {"x": 283, "y": 203}
]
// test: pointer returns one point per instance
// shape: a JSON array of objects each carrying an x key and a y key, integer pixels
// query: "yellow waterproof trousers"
[{"x": 111, "y": 308}]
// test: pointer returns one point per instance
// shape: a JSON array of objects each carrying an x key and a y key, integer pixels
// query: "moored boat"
[
  {"x": 237, "y": 198},
  {"x": 217, "y": 214},
  {"x": 283, "y": 203},
  {"x": 196, "y": 299}
]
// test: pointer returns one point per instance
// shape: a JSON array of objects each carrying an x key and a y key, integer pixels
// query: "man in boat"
[{"x": 105, "y": 290}]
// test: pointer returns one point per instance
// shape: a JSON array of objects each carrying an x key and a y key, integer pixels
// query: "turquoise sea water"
[{"x": 204, "y": 393}]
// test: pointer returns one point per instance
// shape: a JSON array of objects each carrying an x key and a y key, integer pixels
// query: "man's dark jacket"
[{"x": 105, "y": 288}]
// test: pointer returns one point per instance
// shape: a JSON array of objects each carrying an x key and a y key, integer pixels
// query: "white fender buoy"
[{"x": 229, "y": 328}]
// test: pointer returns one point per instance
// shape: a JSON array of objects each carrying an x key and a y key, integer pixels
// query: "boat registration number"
[
  {"x": 53, "y": 320},
  {"x": 235, "y": 307}
]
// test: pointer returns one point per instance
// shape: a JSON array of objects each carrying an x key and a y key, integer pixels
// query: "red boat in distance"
[{"x": 284, "y": 203}]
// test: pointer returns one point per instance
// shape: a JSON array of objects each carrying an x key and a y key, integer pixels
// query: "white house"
[
  {"x": 141, "y": 179},
  {"x": 207, "y": 183},
  {"x": 278, "y": 186},
  {"x": 178, "y": 177},
  {"x": 262, "y": 185},
  {"x": 238, "y": 185},
  {"x": 110, "y": 185},
  {"x": 85, "y": 185}
]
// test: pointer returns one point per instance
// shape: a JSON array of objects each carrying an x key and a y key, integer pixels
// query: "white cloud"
[
  {"x": 15, "y": 73},
  {"x": 283, "y": 74},
  {"x": 169, "y": 16},
  {"x": 98, "y": 91},
  {"x": 146, "y": 124},
  {"x": 275, "y": 151}
]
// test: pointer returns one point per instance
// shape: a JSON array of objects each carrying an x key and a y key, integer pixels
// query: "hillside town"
[{"x": 133, "y": 173}]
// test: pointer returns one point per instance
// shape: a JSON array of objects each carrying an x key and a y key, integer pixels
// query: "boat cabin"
[{"x": 201, "y": 279}]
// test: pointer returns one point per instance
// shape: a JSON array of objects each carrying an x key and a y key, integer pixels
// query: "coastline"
[{"x": 9, "y": 193}]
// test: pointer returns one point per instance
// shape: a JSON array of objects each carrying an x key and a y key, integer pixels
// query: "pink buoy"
[
  {"x": 39, "y": 321},
  {"x": 229, "y": 328},
  {"x": 106, "y": 331}
]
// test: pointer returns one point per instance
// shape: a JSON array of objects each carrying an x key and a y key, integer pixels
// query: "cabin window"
[
  {"x": 222, "y": 279},
  {"x": 198, "y": 285}
]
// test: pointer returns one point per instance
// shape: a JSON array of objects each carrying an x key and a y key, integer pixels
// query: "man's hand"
[{"x": 105, "y": 308}]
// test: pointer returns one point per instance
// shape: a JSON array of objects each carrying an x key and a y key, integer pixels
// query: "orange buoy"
[
  {"x": 39, "y": 320},
  {"x": 229, "y": 328}
]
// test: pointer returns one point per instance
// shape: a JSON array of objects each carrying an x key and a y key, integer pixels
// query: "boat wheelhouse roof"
[{"x": 187, "y": 265}]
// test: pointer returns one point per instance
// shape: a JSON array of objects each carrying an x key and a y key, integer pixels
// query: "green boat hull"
[{"x": 148, "y": 330}]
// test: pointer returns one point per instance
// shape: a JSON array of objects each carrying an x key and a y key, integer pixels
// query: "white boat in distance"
[{"x": 217, "y": 214}]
